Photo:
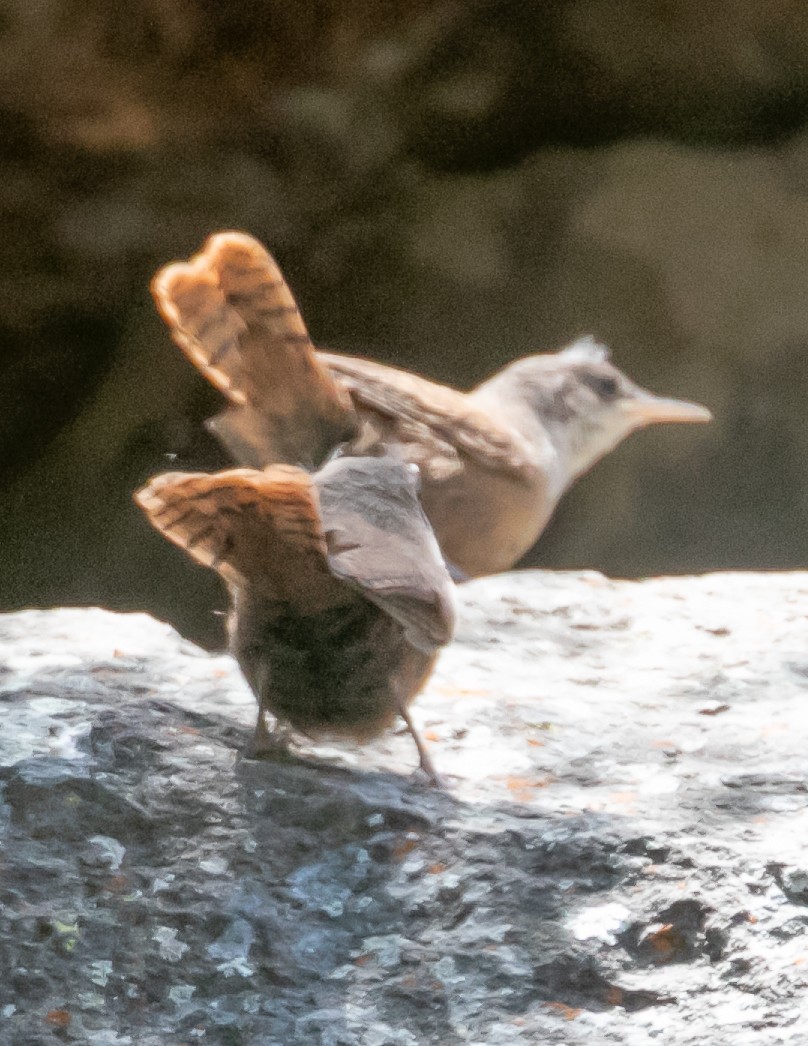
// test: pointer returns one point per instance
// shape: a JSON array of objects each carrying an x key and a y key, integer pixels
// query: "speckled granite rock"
[{"x": 621, "y": 858}]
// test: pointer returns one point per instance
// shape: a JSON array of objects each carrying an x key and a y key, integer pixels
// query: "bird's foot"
[
  {"x": 426, "y": 767},
  {"x": 428, "y": 775},
  {"x": 266, "y": 743}
]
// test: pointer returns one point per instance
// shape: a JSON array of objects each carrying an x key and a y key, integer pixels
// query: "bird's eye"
[{"x": 606, "y": 387}]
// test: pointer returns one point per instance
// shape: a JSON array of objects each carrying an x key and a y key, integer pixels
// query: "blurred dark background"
[{"x": 447, "y": 185}]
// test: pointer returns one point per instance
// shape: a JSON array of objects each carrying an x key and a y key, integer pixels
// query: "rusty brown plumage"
[
  {"x": 495, "y": 461},
  {"x": 223, "y": 308},
  {"x": 339, "y": 596}
]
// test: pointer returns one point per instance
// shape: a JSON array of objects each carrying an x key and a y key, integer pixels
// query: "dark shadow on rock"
[
  {"x": 156, "y": 883},
  {"x": 153, "y": 879}
]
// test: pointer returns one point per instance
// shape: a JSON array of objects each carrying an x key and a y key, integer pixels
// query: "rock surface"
[{"x": 620, "y": 859}]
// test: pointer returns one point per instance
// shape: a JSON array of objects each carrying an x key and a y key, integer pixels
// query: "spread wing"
[
  {"x": 357, "y": 525},
  {"x": 380, "y": 541},
  {"x": 431, "y": 423},
  {"x": 260, "y": 526},
  {"x": 231, "y": 312}
]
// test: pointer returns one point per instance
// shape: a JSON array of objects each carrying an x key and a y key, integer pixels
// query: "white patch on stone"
[{"x": 601, "y": 923}]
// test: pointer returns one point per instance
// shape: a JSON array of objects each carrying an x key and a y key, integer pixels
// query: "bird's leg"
[
  {"x": 425, "y": 760},
  {"x": 266, "y": 741}
]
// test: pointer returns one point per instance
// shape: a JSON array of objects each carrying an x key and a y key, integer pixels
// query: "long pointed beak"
[{"x": 647, "y": 409}]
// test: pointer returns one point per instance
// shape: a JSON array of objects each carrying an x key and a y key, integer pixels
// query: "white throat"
[{"x": 580, "y": 444}]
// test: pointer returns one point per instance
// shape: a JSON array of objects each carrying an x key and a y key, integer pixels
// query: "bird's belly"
[
  {"x": 485, "y": 522},
  {"x": 343, "y": 671}
]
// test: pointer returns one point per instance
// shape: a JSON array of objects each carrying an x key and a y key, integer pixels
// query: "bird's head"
[{"x": 585, "y": 404}]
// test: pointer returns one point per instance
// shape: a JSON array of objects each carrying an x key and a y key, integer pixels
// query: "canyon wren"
[
  {"x": 339, "y": 596},
  {"x": 494, "y": 461},
  {"x": 339, "y": 593}
]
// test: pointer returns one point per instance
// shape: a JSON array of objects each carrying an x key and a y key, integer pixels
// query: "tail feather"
[
  {"x": 231, "y": 312},
  {"x": 203, "y": 325},
  {"x": 263, "y": 526}
]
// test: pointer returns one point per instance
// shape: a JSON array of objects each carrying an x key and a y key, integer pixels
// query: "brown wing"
[
  {"x": 432, "y": 423},
  {"x": 380, "y": 541},
  {"x": 260, "y": 526},
  {"x": 231, "y": 312}
]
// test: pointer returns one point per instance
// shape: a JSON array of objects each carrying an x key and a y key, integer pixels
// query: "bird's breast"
[{"x": 485, "y": 520}]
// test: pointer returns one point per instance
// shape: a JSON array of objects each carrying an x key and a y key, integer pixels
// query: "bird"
[
  {"x": 339, "y": 596},
  {"x": 494, "y": 461}
]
